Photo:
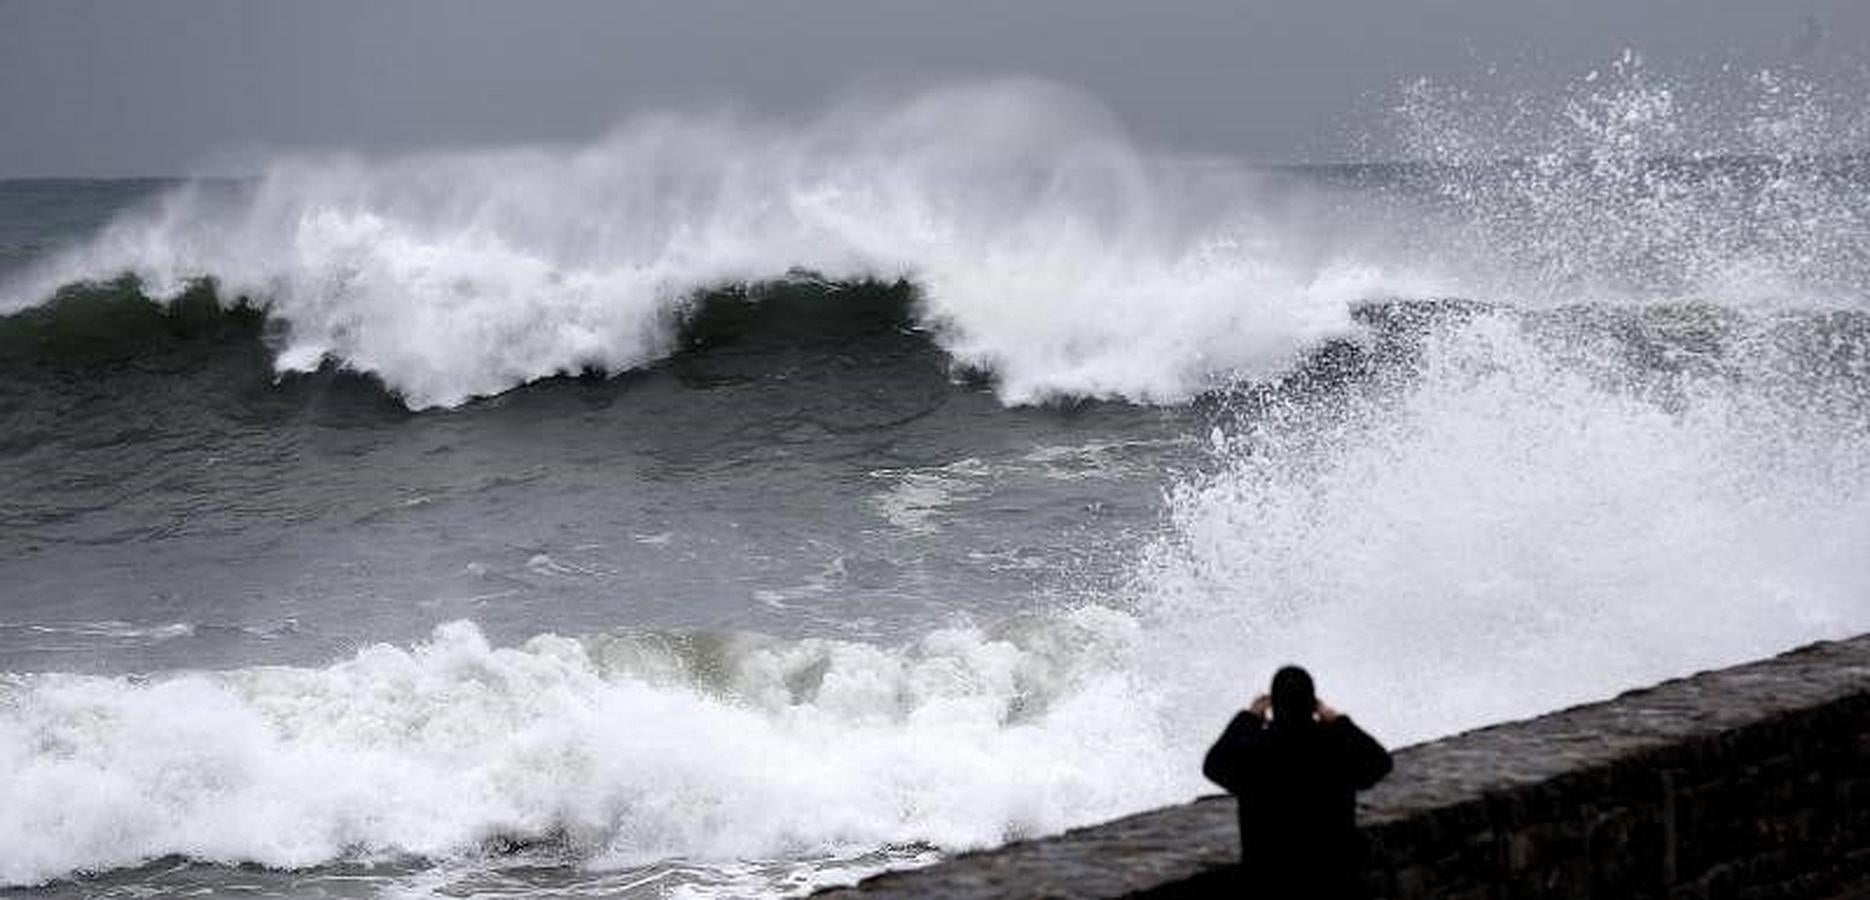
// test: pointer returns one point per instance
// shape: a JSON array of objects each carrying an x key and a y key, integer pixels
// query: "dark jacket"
[{"x": 1298, "y": 806}]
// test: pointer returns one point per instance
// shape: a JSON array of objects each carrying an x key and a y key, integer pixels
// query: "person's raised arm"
[
  {"x": 1365, "y": 760},
  {"x": 1227, "y": 761}
]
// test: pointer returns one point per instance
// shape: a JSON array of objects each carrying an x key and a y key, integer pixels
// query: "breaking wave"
[{"x": 1047, "y": 247}]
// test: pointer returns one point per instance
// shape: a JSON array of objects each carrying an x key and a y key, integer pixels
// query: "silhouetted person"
[{"x": 1296, "y": 777}]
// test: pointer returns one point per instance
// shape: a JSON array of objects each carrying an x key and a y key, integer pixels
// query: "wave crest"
[{"x": 1049, "y": 249}]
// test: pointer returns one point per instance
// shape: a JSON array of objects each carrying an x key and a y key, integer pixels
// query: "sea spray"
[
  {"x": 1627, "y": 186},
  {"x": 1488, "y": 528}
]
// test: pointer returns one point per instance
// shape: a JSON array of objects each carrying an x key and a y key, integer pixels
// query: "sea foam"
[{"x": 620, "y": 750}]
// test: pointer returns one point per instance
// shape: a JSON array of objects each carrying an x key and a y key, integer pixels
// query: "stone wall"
[{"x": 1749, "y": 782}]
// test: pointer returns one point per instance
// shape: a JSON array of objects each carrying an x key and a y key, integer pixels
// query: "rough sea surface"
[{"x": 732, "y": 506}]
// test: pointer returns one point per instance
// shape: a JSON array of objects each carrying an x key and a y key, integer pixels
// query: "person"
[{"x": 1296, "y": 777}]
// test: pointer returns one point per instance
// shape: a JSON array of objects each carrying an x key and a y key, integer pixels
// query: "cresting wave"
[{"x": 1048, "y": 248}]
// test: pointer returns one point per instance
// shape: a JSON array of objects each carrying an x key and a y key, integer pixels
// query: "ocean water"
[{"x": 729, "y": 507}]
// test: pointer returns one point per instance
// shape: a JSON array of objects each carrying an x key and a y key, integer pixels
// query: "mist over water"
[{"x": 1571, "y": 401}]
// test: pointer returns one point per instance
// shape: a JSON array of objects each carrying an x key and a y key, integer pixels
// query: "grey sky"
[{"x": 171, "y": 86}]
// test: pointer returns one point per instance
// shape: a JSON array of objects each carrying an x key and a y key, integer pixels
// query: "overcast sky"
[{"x": 177, "y": 86}]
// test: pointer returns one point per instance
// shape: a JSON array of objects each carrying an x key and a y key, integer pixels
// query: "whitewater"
[{"x": 732, "y": 506}]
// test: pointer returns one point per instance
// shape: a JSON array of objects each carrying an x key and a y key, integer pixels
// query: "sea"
[{"x": 734, "y": 505}]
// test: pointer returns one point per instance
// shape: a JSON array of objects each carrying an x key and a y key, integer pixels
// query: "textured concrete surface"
[{"x": 1749, "y": 782}]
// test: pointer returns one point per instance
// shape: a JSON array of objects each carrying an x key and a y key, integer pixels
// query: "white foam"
[
  {"x": 630, "y": 754},
  {"x": 917, "y": 498},
  {"x": 109, "y": 629}
]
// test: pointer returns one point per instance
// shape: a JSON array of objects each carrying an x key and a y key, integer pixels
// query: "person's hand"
[
  {"x": 1261, "y": 704},
  {"x": 1326, "y": 714}
]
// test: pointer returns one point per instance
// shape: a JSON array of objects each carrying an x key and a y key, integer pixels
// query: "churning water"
[{"x": 732, "y": 506}]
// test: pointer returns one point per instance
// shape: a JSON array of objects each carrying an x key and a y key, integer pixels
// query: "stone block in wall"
[
  {"x": 1532, "y": 849},
  {"x": 1626, "y": 850}
]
